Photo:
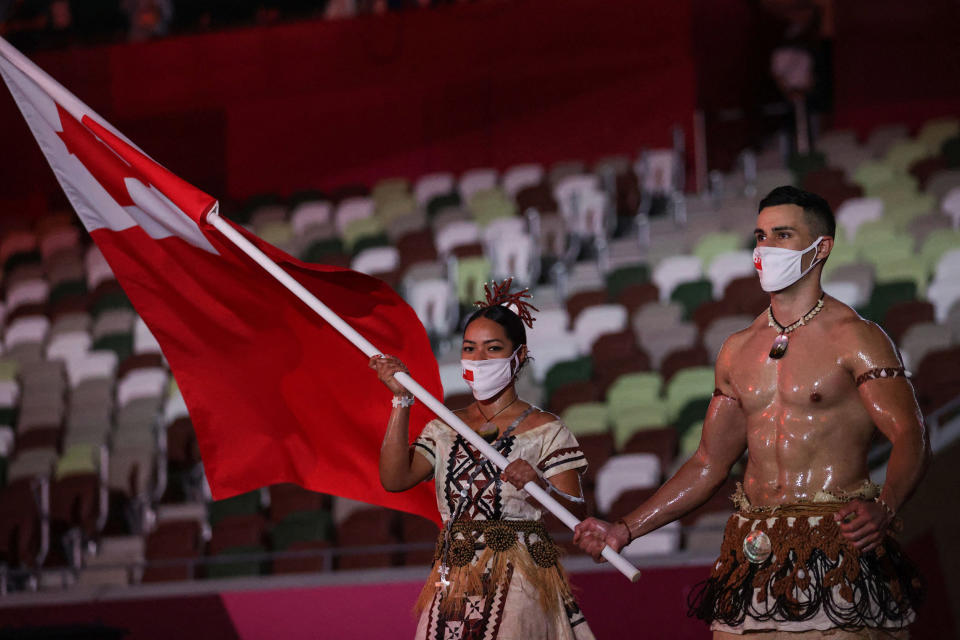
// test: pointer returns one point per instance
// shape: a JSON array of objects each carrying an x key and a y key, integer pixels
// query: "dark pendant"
[
  {"x": 779, "y": 346},
  {"x": 488, "y": 431}
]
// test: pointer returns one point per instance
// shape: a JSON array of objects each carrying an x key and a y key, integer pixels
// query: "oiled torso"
[{"x": 807, "y": 430}]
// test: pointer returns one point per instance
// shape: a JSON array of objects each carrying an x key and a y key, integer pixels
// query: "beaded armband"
[
  {"x": 717, "y": 393},
  {"x": 882, "y": 372}
]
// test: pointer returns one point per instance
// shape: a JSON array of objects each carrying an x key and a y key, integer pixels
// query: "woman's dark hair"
[{"x": 504, "y": 317}]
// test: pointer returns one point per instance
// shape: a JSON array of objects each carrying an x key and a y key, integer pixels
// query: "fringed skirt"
[
  {"x": 505, "y": 581},
  {"x": 804, "y": 576}
]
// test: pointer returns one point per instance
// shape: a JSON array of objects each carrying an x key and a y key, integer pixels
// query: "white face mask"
[
  {"x": 779, "y": 268},
  {"x": 489, "y": 377}
]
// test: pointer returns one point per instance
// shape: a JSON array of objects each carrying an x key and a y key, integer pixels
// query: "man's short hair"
[{"x": 819, "y": 215}]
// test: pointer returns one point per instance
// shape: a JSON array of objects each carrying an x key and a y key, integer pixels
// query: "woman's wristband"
[{"x": 403, "y": 401}]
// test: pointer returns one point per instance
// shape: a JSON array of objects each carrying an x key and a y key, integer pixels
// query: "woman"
[{"x": 496, "y": 572}]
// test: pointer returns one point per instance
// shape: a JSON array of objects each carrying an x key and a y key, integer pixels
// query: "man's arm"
[
  {"x": 723, "y": 441},
  {"x": 892, "y": 405}
]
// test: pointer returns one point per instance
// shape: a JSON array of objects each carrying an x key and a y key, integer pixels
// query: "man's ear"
[{"x": 825, "y": 247}]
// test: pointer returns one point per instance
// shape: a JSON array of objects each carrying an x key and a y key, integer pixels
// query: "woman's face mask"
[
  {"x": 489, "y": 377},
  {"x": 779, "y": 268}
]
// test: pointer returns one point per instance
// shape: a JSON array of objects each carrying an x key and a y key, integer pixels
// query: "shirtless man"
[{"x": 803, "y": 401}]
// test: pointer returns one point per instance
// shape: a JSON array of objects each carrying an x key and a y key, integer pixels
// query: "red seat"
[
  {"x": 660, "y": 442},
  {"x": 634, "y": 296},
  {"x": 289, "y": 498},
  {"x": 237, "y": 531},
  {"x": 597, "y": 448},
  {"x": 937, "y": 379},
  {"x": 628, "y": 501},
  {"x": 681, "y": 359},
  {"x": 607, "y": 374},
  {"x": 573, "y": 393},
  {"x": 177, "y": 540},
  {"x": 414, "y": 529},
  {"x": 904, "y": 315},
  {"x": 364, "y": 528},
  {"x": 310, "y": 564},
  {"x": 19, "y": 524},
  {"x": 580, "y": 301},
  {"x": 746, "y": 296},
  {"x": 74, "y": 502}
]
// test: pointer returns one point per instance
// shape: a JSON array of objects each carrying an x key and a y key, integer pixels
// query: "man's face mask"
[
  {"x": 489, "y": 377},
  {"x": 779, "y": 268}
]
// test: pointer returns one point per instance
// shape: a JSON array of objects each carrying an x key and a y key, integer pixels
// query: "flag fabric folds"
[{"x": 275, "y": 393}]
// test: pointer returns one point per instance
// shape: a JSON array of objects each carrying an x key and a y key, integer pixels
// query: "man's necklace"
[
  {"x": 488, "y": 429},
  {"x": 779, "y": 347}
]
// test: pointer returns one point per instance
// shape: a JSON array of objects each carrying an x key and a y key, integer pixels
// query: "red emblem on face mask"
[
  {"x": 757, "y": 263},
  {"x": 468, "y": 375}
]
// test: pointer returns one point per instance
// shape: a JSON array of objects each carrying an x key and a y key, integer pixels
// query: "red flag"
[{"x": 275, "y": 394}]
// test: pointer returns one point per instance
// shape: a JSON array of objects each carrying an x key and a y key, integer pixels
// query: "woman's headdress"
[{"x": 499, "y": 294}]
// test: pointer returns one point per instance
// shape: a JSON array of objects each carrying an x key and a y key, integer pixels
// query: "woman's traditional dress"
[{"x": 496, "y": 572}]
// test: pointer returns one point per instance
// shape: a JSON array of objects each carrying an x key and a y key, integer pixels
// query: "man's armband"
[
  {"x": 883, "y": 372},
  {"x": 721, "y": 394}
]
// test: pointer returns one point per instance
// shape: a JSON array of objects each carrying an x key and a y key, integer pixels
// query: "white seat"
[
  {"x": 143, "y": 339},
  {"x": 572, "y": 192},
  {"x": 848, "y": 292},
  {"x": 921, "y": 339},
  {"x": 7, "y": 438},
  {"x": 142, "y": 383},
  {"x": 521, "y": 176},
  {"x": 623, "y": 473},
  {"x": 351, "y": 210},
  {"x": 721, "y": 329},
  {"x": 665, "y": 540},
  {"x": 951, "y": 206},
  {"x": 432, "y": 185},
  {"x": 27, "y": 292},
  {"x": 313, "y": 213},
  {"x": 501, "y": 229},
  {"x": 96, "y": 267},
  {"x": 92, "y": 364},
  {"x": 174, "y": 408},
  {"x": 434, "y": 302},
  {"x": 26, "y": 329},
  {"x": 545, "y": 354},
  {"x": 727, "y": 267},
  {"x": 943, "y": 294},
  {"x": 657, "y": 170},
  {"x": 676, "y": 270},
  {"x": 456, "y": 234},
  {"x": 948, "y": 266},
  {"x": 68, "y": 346},
  {"x": 593, "y": 322},
  {"x": 376, "y": 260},
  {"x": 660, "y": 343},
  {"x": 476, "y": 180},
  {"x": 113, "y": 321},
  {"x": 855, "y": 211},
  {"x": 514, "y": 256},
  {"x": 9, "y": 393}
]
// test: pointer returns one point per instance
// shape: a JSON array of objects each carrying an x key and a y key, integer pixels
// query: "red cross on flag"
[{"x": 275, "y": 393}]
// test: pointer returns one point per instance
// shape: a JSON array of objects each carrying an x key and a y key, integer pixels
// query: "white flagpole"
[{"x": 557, "y": 509}]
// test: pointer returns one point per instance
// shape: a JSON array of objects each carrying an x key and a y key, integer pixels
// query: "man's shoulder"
[
  {"x": 734, "y": 340},
  {"x": 856, "y": 333}
]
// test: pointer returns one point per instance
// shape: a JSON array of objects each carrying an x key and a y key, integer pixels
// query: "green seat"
[
  {"x": 302, "y": 526},
  {"x": 8, "y": 416},
  {"x": 587, "y": 418},
  {"x": 903, "y": 269},
  {"x": 238, "y": 568},
  {"x": 898, "y": 186},
  {"x": 374, "y": 240},
  {"x": 112, "y": 300},
  {"x": 395, "y": 207},
  {"x": 316, "y": 251},
  {"x": 78, "y": 459},
  {"x": 629, "y": 420},
  {"x": 870, "y": 175},
  {"x": 686, "y": 385},
  {"x": 439, "y": 203},
  {"x": 936, "y": 244},
  {"x": 842, "y": 253},
  {"x": 691, "y": 295},
  {"x": 9, "y": 368},
  {"x": 620, "y": 279},
  {"x": 951, "y": 151},
  {"x": 472, "y": 272},
  {"x": 803, "y": 163},
  {"x": 389, "y": 189},
  {"x": 68, "y": 289},
  {"x": 488, "y": 205},
  {"x": 119, "y": 343},
  {"x": 21, "y": 258},
  {"x": 887, "y": 294},
  {"x": 691, "y": 413},
  {"x": 690, "y": 440},
  {"x": 278, "y": 233},
  {"x": 578, "y": 370},
  {"x": 713, "y": 244},
  {"x": 361, "y": 227},
  {"x": 935, "y": 132},
  {"x": 244, "y": 504},
  {"x": 904, "y": 153}
]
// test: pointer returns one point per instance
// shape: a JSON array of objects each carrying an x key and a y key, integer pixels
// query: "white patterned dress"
[{"x": 505, "y": 579}]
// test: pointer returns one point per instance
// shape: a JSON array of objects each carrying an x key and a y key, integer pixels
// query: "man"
[{"x": 801, "y": 390}]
